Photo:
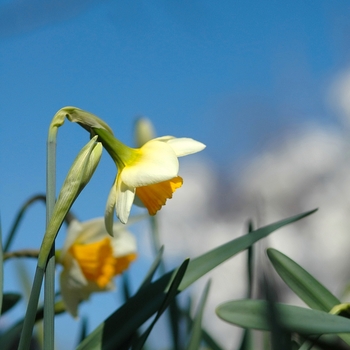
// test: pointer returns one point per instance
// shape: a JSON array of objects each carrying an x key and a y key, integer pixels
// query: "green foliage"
[
  {"x": 9, "y": 300},
  {"x": 254, "y": 314},
  {"x": 308, "y": 289},
  {"x": 196, "y": 336}
]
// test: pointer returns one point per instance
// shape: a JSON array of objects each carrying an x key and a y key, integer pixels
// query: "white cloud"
[{"x": 307, "y": 170}]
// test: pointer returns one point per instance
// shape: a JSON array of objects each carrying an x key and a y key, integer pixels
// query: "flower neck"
[{"x": 120, "y": 153}]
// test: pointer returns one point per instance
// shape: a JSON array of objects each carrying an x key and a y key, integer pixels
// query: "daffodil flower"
[
  {"x": 91, "y": 258},
  {"x": 149, "y": 172}
]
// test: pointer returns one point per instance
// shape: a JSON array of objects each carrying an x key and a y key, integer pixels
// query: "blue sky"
[{"x": 232, "y": 74}]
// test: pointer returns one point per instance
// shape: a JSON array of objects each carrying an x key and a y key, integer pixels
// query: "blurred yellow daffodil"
[{"x": 91, "y": 258}]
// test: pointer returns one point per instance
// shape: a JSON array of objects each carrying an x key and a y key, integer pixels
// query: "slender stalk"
[
  {"x": 29, "y": 319},
  {"x": 1, "y": 269},
  {"x": 25, "y": 206},
  {"x": 24, "y": 253},
  {"x": 49, "y": 287}
]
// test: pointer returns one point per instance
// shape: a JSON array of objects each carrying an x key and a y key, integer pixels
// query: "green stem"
[
  {"x": 24, "y": 253},
  {"x": 49, "y": 287},
  {"x": 1, "y": 269},
  {"x": 25, "y": 206},
  {"x": 29, "y": 319},
  {"x": 118, "y": 151}
]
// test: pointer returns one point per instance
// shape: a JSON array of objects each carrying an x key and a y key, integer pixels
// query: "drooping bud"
[
  {"x": 144, "y": 131},
  {"x": 78, "y": 176}
]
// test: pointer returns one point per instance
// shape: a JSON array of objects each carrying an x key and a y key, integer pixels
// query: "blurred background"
[{"x": 264, "y": 84}]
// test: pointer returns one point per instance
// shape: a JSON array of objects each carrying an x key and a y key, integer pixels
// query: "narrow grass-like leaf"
[
  {"x": 8, "y": 338},
  {"x": 170, "y": 295},
  {"x": 152, "y": 270},
  {"x": 123, "y": 322},
  {"x": 126, "y": 288},
  {"x": 280, "y": 338},
  {"x": 9, "y": 300},
  {"x": 206, "y": 262},
  {"x": 307, "y": 345},
  {"x": 19, "y": 217},
  {"x": 247, "y": 339},
  {"x": 250, "y": 266},
  {"x": 173, "y": 312},
  {"x": 83, "y": 329},
  {"x": 308, "y": 289},
  {"x": 1, "y": 269},
  {"x": 324, "y": 343},
  {"x": 254, "y": 314},
  {"x": 247, "y": 342},
  {"x": 196, "y": 335},
  {"x": 206, "y": 337}
]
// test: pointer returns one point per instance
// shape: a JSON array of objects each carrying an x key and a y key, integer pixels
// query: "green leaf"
[
  {"x": 9, "y": 300},
  {"x": 1, "y": 270},
  {"x": 308, "y": 289},
  {"x": 247, "y": 342},
  {"x": 254, "y": 314},
  {"x": 206, "y": 337},
  {"x": 147, "y": 280},
  {"x": 196, "y": 336},
  {"x": 170, "y": 295},
  {"x": 280, "y": 338},
  {"x": 304, "y": 285},
  {"x": 123, "y": 322},
  {"x": 19, "y": 218},
  {"x": 11, "y": 335},
  {"x": 206, "y": 262},
  {"x": 83, "y": 331}
]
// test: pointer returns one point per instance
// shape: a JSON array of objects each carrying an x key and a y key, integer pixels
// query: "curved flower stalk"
[
  {"x": 149, "y": 172},
  {"x": 91, "y": 258}
]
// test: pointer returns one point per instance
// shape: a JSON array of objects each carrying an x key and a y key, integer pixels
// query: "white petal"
[
  {"x": 92, "y": 230},
  {"x": 123, "y": 243},
  {"x": 76, "y": 277},
  {"x": 164, "y": 138},
  {"x": 156, "y": 162},
  {"x": 70, "y": 299},
  {"x": 184, "y": 146},
  {"x": 124, "y": 199},
  {"x": 109, "y": 213},
  {"x": 72, "y": 282},
  {"x": 73, "y": 231}
]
